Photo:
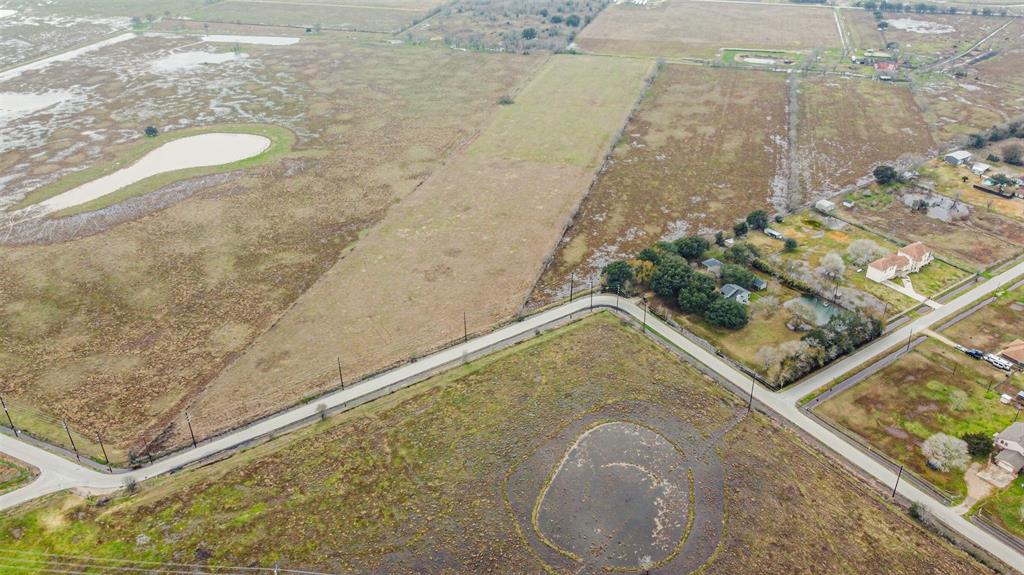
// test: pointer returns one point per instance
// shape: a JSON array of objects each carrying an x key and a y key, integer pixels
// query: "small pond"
[{"x": 823, "y": 311}]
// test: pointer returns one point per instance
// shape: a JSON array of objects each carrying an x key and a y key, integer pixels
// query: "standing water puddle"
[
  {"x": 190, "y": 152},
  {"x": 238, "y": 39}
]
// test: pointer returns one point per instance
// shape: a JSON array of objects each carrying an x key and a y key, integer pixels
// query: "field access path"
[{"x": 57, "y": 473}]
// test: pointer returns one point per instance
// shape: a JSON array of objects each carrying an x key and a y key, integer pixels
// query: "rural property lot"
[
  {"x": 32, "y": 32},
  {"x": 707, "y": 146},
  {"x": 371, "y": 16},
  {"x": 845, "y": 127},
  {"x": 471, "y": 240},
  {"x": 423, "y": 480},
  {"x": 118, "y": 330},
  {"x": 678, "y": 28},
  {"x": 928, "y": 38}
]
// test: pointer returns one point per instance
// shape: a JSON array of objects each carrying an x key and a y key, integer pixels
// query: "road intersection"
[{"x": 58, "y": 473}]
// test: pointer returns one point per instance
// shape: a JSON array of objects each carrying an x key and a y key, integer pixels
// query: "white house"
[
  {"x": 1011, "y": 443},
  {"x": 980, "y": 168},
  {"x": 958, "y": 158},
  {"x": 909, "y": 259}
]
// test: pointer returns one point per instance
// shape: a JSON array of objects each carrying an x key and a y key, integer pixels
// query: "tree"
[
  {"x": 790, "y": 245},
  {"x": 757, "y": 220},
  {"x": 739, "y": 275},
  {"x": 572, "y": 20},
  {"x": 832, "y": 265},
  {"x": 1001, "y": 180},
  {"x": 978, "y": 444},
  {"x": 768, "y": 356},
  {"x": 742, "y": 254},
  {"x": 670, "y": 274},
  {"x": 885, "y": 174},
  {"x": 151, "y": 131},
  {"x": 556, "y": 19},
  {"x": 946, "y": 453},
  {"x": 976, "y": 141},
  {"x": 727, "y": 313},
  {"x": 739, "y": 229},
  {"x": 617, "y": 275},
  {"x": 529, "y": 33},
  {"x": 719, "y": 238},
  {"x": 864, "y": 251},
  {"x": 691, "y": 247},
  {"x": 696, "y": 301},
  {"x": 1013, "y": 154},
  {"x": 649, "y": 254}
]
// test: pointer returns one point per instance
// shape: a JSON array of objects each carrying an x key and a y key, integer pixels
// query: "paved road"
[{"x": 58, "y": 473}]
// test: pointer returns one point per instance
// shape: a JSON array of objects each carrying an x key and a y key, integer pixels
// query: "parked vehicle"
[{"x": 998, "y": 362}]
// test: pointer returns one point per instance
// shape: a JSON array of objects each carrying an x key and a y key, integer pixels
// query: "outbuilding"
[
  {"x": 958, "y": 158},
  {"x": 824, "y": 206},
  {"x": 773, "y": 233},
  {"x": 979, "y": 168}
]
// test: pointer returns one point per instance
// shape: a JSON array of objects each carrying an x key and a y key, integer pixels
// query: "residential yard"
[
  {"x": 679, "y": 29},
  {"x": 845, "y": 127},
  {"x": 995, "y": 325},
  {"x": 413, "y": 483},
  {"x": 948, "y": 181},
  {"x": 933, "y": 389},
  {"x": 465, "y": 248},
  {"x": 1004, "y": 507},
  {"x": 117, "y": 319},
  {"x": 671, "y": 174},
  {"x": 976, "y": 242}
]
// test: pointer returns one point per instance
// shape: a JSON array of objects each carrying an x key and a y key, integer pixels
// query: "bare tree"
[
  {"x": 863, "y": 251},
  {"x": 832, "y": 265},
  {"x": 945, "y": 452},
  {"x": 803, "y": 316}
]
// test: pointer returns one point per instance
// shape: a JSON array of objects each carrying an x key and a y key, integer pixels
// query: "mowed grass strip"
[
  {"x": 567, "y": 114},
  {"x": 471, "y": 240},
  {"x": 281, "y": 142}
]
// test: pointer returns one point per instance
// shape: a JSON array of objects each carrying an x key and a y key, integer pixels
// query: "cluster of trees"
[
  {"x": 885, "y": 174},
  {"x": 923, "y": 8},
  {"x": 843, "y": 333},
  {"x": 1013, "y": 129},
  {"x": 665, "y": 268}
]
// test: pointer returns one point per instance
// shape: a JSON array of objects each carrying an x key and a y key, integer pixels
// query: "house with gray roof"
[
  {"x": 1011, "y": 442},
  {"x": 733, "y": 291},
  {"x": 713, "y": 265}
]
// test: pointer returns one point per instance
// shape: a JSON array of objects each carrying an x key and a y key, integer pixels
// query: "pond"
[
  {"x": 202, "y": 150},
  {"x": 823, "y": 311}
]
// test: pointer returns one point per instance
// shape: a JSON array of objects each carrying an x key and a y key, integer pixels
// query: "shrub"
[
  {"x": 719, "y": 238},
  {"x": 739, "y": 229},
  {"x": 978, "y": 444},
  {"x": 790, "y": 245},
  {"x": 885, "y": 174},
  {"x": 572, "y": 20},
  {"x": 945, "y": 452},
  {"x": 1013, "y": 154},
  {"x": 151, "y": 131},
  {"x": 529, "y": 33},
  {"x": 757, "y": 220}
]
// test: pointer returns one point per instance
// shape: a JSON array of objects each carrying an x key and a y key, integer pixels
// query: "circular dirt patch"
[{"x": 628, "y": 488}]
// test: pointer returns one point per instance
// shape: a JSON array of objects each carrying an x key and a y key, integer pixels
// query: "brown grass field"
[
  {"x": 927, "y": 47},
  {"x": 846, "y": 127},
  {"x": 471, "y": 240},
  {"x": 415, "y": 482},
  {"x": 707, "y": 146},
  {"x": 374, "y": 16},
  {"x": 677, "y": 28},
  {"x": 117, "y": 330}
]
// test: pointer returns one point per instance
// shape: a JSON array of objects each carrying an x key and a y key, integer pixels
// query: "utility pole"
[
  {"x": 104, "y": 450},
  {"x": 645, "y": 315},
  {"x": 8, "y": 413},
  {"x": 340, "y": 376},
  {"x": 591, "y": 294},
  {"x": 909, "y": 339},
  {"x": 465, "y": 328},
  {"x": 572, "y": 283},
  {"x": 71, "y": 439},
  {"x": 188, "y": 419},
  {"x": 750, "y": 400},
  {"x": 616, "y": 296},
  {"x": 897, "y": 482}
]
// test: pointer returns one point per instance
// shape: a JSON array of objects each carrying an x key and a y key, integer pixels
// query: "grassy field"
[
  {"x": 902, "y": 405},
  {"x": 413, "y": 482},
  {"x": 119, "y": 327},
  {"x": 678, "y": 28},
  {"x": 706, "y": 147},
  {"x": 927, "y": 38},
  {"x": 994, "y": 326},
  {"x": 1004, "y": 508},
  {"x": 977, "y": 242},
  {"x": 846, "y": 127},
  {"x": 281, "y": 140},
  {"x": 466, "y": 245},
  {"x": 13, "y": 474}
]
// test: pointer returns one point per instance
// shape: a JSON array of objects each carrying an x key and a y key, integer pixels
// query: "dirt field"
[
  {"x": 117, "y": 330},
  {"x": 471, "y": 240},
  {"x": 423, "y": 481},
  {"x": 846, "y": 127},
  {"x": 977, "y": 242},
  {"x": 862, "y": 29},
  {"x": 706, "y": 147},
  {"x": 677, "y": 28}
]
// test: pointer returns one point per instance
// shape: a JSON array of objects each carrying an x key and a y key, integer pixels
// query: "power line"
[{"x": 137, "y": 565}]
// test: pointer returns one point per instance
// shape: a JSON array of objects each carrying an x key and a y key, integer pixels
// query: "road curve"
[{"x": 57, "y": 473}]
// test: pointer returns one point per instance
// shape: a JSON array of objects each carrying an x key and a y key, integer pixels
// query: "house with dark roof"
[
  {"x": 733, "y": 291},
  {"x": 1011, "y": 443},
  {"x": 713, "y": 265}
]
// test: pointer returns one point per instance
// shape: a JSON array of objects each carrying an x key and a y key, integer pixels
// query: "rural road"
[{"x": 57, "y": 473}]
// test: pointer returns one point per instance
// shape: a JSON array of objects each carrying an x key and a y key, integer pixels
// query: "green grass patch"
[{"x": 281, "y": 142}]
